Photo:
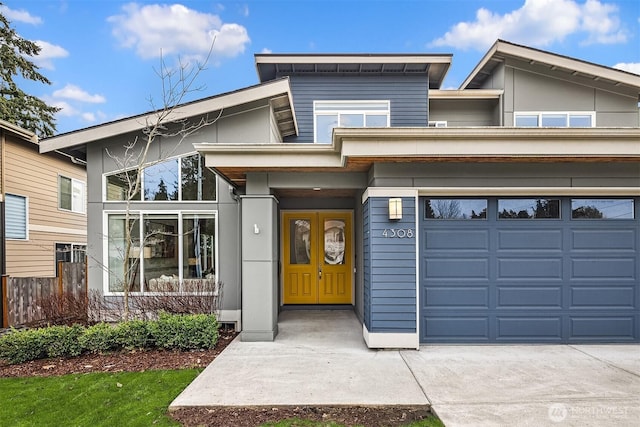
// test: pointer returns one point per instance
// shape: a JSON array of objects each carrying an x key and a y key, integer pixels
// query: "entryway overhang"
[{"x": 357, "y": 149}]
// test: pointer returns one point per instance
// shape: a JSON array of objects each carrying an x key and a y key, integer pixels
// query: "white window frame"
[
  {"x": 142, "y": 200},
  {"x": 340, "y": 111},
  {"x": 26, "y": 218},
  {"x": 75, "y": 183},
  {"x": 140, "y": 215},
  {"x": 539, "y": 114},
  {"x": 437, "y": 123}
]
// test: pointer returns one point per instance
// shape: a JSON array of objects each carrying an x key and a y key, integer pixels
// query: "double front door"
[{"x": 317, "y": 257}]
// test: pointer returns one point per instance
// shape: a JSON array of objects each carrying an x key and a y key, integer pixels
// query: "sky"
[{"x": 103, "y": 56}]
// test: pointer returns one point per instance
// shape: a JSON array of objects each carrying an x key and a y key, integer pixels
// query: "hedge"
[{"x": 169, "y": 331}]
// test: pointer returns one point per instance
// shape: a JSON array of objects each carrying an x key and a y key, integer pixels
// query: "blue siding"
[
  {"x": 390, "y": 268},
  {"x": 408, "y": 96},
  {"x": 545, "y": 280}
]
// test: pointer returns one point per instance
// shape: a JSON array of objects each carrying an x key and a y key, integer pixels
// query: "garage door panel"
[
  {"x": 458, "y": 296},
  {"x": 457, "y": 268},
  {"x": 602, "y": 328},
  {"x": 604, "y": 239},
  {"x": 603, "y": 268},
  {"x": 456, "y": 239},
  {"x": 526, "y": 329},
  {"x": 529, "y": 296},
  {"x": 456, "y": 329},
  {"x": 526, "y": 240},
  {"x": 530, "y": 268},
  {"x": 612, "y": 297}
]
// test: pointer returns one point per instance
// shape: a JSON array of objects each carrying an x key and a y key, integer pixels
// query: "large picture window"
[
  {"x": 332, "y": 114},
  {"x": 176, "y": 179},
  {"x": 169, "y": 251},
  {"x": 581, "y": 119}
]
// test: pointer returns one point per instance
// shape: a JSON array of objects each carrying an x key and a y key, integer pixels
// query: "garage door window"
[
  {"x": 529, "y": 209},
  {"x": 456, "y": 209},
  {"x": 602, "y": 209}
]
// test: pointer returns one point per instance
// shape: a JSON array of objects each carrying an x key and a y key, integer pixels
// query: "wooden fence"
[{"x": 21, "y": 296}]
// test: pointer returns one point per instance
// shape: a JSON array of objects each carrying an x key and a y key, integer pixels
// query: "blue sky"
[{"x": 101, "y": 55}]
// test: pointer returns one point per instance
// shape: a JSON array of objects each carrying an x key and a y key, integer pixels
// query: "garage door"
[{"x": 530, "y": 270}]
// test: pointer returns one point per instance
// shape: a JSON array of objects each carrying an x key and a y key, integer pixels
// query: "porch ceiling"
[{"x": 357, "y": 149}]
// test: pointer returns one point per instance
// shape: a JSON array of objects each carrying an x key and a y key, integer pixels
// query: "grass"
[
  {"x": 97, "y": 399},
  {"x": 109, "y": 399}
]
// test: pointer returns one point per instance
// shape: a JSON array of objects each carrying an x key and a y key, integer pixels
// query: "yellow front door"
[{"x": 317, "y": 257}]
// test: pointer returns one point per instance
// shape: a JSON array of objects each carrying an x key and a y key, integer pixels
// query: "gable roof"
[
  {"x": 554, "y": 62},
  {"x": 277, "y": 91},
  {"x": 435, "y": 66},
  {"x": 16, "y": 130}
]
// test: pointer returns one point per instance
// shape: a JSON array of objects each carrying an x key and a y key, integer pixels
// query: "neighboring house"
[
  {"x": 44, "y": 204},
  {"x": 505, "y": 211}
]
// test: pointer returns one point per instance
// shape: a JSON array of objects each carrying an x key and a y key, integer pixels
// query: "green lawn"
[
  {"x": 98, "y": 399},
  {"x": 107, "y": 399}
]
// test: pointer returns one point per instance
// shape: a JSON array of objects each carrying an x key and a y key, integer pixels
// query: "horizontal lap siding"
[
  {"x": 390, "y": 288},
  {"x": 408, "y": 96},
  {"x": 366, "y": 243}
]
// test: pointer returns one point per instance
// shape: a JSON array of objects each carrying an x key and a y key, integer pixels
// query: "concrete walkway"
[{"x": 319, "y": 358}]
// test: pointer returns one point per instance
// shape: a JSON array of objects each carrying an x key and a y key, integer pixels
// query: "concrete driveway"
[{"x": 319, "y": 358}]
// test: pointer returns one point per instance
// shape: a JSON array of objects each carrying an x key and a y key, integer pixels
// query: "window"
[
  {"x": 529, "y": 209},
  {"x": 168, "y": 250},
  {"x": 332, "y": 114},
  {"x": 583, "y": 119},
  {"x": 438, "y": 124},
  {"x": 69, "y": 252},
  {"x": 176, "y": 179},
  {"x": 16, "y": 214},
  {"x": 602, "y": 209},
  {"x": 456, "y": 209},
  {"x": 71, "y": 194}
]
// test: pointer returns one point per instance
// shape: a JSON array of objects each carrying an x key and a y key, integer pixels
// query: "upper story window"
[
  {"x": 71, "y": 194},
  {"x": 183, "y": 178},
  {"x": 16, "y": 214},
  {"x": 580, "y": 119},
  {"x": 331, "y": 114}
]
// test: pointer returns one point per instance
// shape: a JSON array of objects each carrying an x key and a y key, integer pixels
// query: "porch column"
[{"x": 259, "y": 231}]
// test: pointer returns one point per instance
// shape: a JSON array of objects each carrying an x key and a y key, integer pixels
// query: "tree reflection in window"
[
  {"x": 456, "y": 209},
  {"x": 529, "y": 209}
]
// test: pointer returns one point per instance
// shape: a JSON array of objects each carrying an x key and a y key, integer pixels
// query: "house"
[
  {"x": 44, "y": 217},
  {"x": 505, "y": 211}
]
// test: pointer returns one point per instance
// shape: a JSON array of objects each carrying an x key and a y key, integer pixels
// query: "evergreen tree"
[{"x": 16, "y": 106}]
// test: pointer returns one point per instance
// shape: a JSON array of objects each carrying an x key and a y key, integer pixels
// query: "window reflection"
[
  {"x": 602, "y": 209},
  {"x": 161, "y": 181},
  {"x": 529, "y": 209},
  {"x": 456, "y": 209},
  {"x": 334, "y": 241},
  {"x": 300, "y": 244}
]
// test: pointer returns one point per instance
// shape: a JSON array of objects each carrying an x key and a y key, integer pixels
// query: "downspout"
[{"x": 3, "y": 246}]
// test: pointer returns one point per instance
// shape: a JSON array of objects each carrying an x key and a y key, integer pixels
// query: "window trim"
[
  {"x": 84, "y": 194},
  {"x": 26, "y": 218},
  {"x": 180, "y": 214},
  {"x": 72, "y": 245},
  {"x": 345, "y": 102},
  {"x": 105, "y": 175},
  {"x": 592, "y": 114}
]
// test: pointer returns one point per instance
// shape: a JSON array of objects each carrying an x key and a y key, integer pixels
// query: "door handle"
[{"x": 320, "y": 273}]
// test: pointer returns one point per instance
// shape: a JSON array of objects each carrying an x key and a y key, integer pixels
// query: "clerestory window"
[
  {"x": 581, "y": 119},
  {"x": 331, "y": 114}
]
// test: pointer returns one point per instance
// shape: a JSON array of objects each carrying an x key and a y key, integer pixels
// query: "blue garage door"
[{"x": 530, "y": 270}]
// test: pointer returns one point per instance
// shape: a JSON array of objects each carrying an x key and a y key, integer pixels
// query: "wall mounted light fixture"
[{"x": 395, "y": 208}]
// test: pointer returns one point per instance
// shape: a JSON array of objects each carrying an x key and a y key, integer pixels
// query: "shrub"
[
  {"x": 99, "y": 338},
  {"x": 62, "y": 341},
  {"x": 134, "y": 334},
  {"x": 22, "y": 346},
  {"x": 185, "y": 331}
]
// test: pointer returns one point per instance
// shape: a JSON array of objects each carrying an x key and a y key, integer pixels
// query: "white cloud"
[
  {"x": 48, "y": 52},
  {"x": 538, "y": 23},
  {"x": 20, "y": 15},
  {"x": 75, "y": 93},
  {"x": 244, "y": 10},
  {"x": 176, "y": 29},
  {"x": 632, "y": 67},
  {"x": 266, "y": 50}
]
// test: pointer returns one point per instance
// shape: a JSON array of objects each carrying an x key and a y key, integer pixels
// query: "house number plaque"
[{"x": 400, "y": 233}]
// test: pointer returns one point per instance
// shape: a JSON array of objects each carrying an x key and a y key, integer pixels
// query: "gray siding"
[
  {"x": 366, "y": 265},
  {"x": 408, "y": 96},
  {"x": 390, "y": 268},
  {"x": 465, "y": 112}
]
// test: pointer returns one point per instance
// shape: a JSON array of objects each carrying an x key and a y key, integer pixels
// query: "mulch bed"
[{"x": 144, "y": 360}]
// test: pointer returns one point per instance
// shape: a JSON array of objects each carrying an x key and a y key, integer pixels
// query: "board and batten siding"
[
  {"x": 389, "y": 268},
  {"x": 407, "y": 96},
  {"x": 35, "y": 176}
]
